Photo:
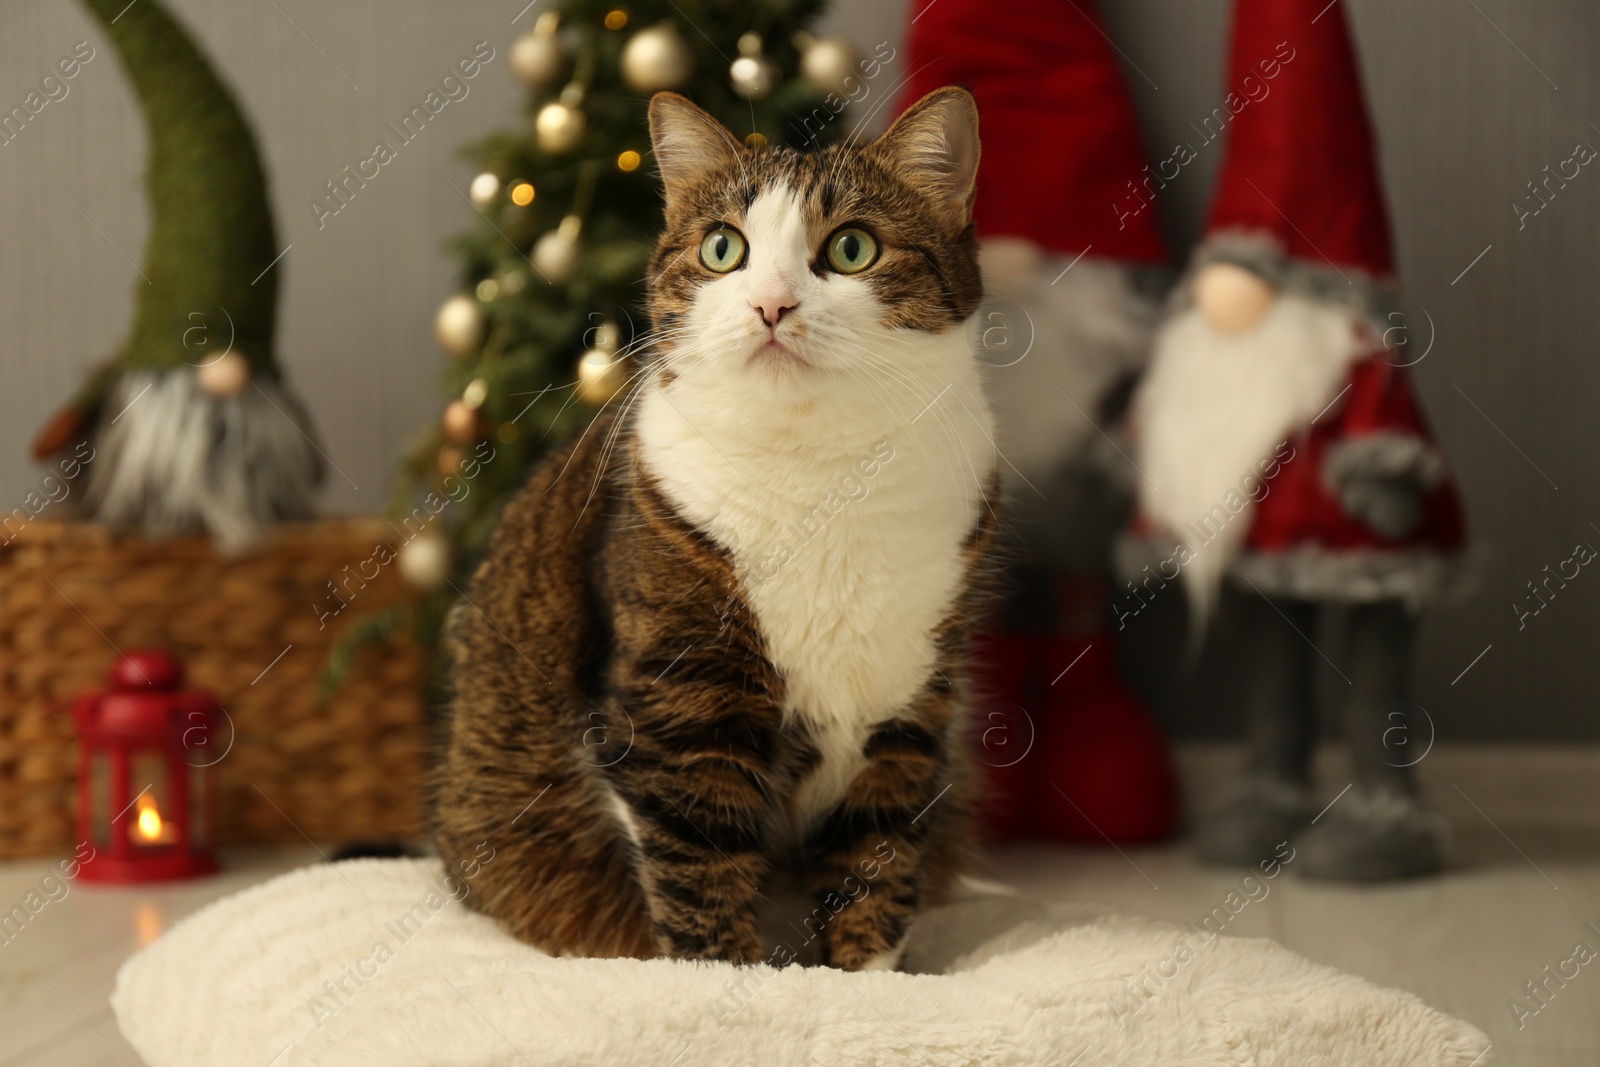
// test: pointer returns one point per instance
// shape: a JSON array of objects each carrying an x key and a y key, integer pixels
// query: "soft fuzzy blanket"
[{"x": 372, "y": 962}]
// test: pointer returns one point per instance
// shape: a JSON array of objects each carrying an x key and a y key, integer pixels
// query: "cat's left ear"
[
  {"x": 934, "y": 148},
  {"x": 688, "y": 144}
]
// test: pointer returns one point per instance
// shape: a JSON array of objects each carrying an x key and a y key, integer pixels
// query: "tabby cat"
[{"x": 714, "y": 652}]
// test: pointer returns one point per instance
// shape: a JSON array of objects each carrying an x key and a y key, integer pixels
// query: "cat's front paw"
[
  {"x": 740, "y": 949},
  {"x": 885, "y": 961},
  {"x": 852, "y": 955}
]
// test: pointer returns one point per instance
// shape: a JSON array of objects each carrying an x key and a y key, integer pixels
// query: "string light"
[
  {"x": 628, "y": 161},
  {"x": 617, "y": 19},
  {"x": 485, "y": 187},
  {"x": 522, "y": 194}
]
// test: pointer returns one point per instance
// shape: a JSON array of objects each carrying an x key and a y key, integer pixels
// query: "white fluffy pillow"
[{"x": 369, "y": 962}]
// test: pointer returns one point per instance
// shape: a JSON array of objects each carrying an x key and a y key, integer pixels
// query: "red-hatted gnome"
[
  {"x": 1288, "y": 468},
  {"x": 1068, "y": 269}
]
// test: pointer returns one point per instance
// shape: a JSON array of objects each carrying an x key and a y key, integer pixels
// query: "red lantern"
[{"x": 146, "y": 786}]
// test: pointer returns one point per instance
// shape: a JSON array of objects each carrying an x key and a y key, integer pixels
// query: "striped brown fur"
[{"x": 606, "y": 658}]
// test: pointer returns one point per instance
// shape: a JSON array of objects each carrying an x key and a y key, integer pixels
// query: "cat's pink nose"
[{"x": 773, "y": 304}]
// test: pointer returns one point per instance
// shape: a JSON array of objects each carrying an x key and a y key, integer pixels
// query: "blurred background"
[
  {"x": 1471, "y": 101},
  {"x": 419, "y": 367}
]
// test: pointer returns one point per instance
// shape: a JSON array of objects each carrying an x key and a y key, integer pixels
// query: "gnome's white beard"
[
  {"x": 1087, "y": 327},
  {"x": 1212, "y": 412}
]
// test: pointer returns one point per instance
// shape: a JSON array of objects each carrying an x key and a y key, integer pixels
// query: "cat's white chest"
[{"x": 850, "y": 555}]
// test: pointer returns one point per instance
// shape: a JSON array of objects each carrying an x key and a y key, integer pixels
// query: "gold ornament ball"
[
  {"x": 558, "y": 127},
  {"x": 754, "y": 77},
  {"x": 1232, "y": 298},
  {"x": 462, "y": 425},
  {"x": 555, "y": 254},
  {"x": 484, "y": 188},
  {"x": 424, "y": 562},
  {"x": 829, "y": 63},
  {"x": 460, "y": 326},
  {"x": 603, "y": 336},
  {"x": 226, "y": 375},
  {"x": 538, "y": 58},
  {"x": 601, "y": 375},
  {"x": 753, "y": 74},
  {"x": 657, "y": 58}
]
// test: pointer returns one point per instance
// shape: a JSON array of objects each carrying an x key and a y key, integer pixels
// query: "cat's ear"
[
  {"x": 688, "y": 144},
  {"x": 934, "y": 148}
]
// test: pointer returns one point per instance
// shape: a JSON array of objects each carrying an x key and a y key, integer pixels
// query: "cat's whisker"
[
  {"x": 888, "y": 97},
  {"x": 915, "y": 388},
  {"x": 994, "y": 445},
  {"x": 852, "y": 138},
  {"x": 889, "y": 377},
  {"x": 943, "y": 444},
  {"x": 630, "y": 396},
  {"x": 640, "y": 343},
  {"x": 891, "y": 382}
]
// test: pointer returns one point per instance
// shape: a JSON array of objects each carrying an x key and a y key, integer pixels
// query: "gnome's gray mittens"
[
  {"x": 1380, "y": 479},
  {"x": 1391, "y": 506}
]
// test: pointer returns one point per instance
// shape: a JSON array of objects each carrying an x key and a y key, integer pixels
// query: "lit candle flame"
[{"x": 148, "y": 824}]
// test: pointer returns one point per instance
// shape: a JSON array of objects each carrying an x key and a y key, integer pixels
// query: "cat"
[{"x": 716, "y": 644}]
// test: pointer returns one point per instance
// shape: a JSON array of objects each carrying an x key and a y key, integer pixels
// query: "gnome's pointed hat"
[
  {"x": 1299, "y": 197},
  {"x": 184, "y": 457},
  {"x": 1061, "y": 143}
]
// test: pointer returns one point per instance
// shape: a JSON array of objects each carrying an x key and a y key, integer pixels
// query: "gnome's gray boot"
[
  {"x": 1260, "y": 815},
  {"x": 1272, "y": 801},
  {"x": 1372, "y": 834},
  {"x": 1379, "y": 829}
]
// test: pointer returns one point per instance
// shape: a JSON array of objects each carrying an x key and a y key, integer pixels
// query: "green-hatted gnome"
[{"x": 192, "y": 425}]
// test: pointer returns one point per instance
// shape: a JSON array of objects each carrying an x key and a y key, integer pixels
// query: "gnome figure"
[
  {"x": 1072, "y": 275},
  {"x": 193, "y": 423},
  {"x": 1290, "y": 477}
]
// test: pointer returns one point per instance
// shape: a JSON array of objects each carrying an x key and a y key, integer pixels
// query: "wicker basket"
[{"x": 247, "y": 628}]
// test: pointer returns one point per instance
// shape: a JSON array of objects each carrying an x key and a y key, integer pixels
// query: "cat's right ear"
[
  {"x": 688, "y": 144},
  {"x": 934, "y": 148}
]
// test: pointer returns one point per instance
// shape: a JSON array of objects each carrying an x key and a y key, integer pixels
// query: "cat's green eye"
[
  {"x": 722, "y": 250},
  {"x": 852, "y": 250}
]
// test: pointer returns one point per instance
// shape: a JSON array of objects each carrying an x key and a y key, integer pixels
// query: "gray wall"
[{"x": 1466, "y": 117}]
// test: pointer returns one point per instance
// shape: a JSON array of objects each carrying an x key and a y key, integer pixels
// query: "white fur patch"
[
  {"x": 887, "y": 961},
  {"x": 1213, "y": 408},
  {"x": 627, "y": 822},
  {"x": 843, "y": 488}
]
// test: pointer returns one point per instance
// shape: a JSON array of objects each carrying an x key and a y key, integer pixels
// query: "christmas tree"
[{"x": 548, "y": 328}]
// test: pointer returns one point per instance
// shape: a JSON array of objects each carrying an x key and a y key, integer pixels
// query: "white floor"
[{"x": 1524, "y": 886}]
